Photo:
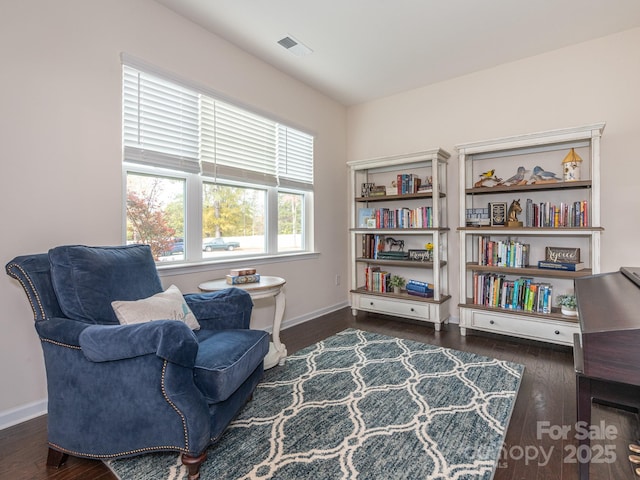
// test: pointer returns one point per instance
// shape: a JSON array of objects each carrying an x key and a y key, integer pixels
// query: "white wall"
[
  {"x": 587, "y": 83},
  {"x": 60, "y": 125}
]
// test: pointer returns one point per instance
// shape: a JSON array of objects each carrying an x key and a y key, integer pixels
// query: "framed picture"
[
  {"x": 562, "y": 254},
  {"x": 498, "y": 213}
]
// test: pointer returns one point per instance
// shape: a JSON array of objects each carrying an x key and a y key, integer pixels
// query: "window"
[{"x": 206, "y": 179}]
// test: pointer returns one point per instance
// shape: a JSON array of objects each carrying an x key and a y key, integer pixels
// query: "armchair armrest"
[
  {"x": 221, "y": 310},
  {"x": 168, "y": 339},
  {"x": 61, "y": 330}
]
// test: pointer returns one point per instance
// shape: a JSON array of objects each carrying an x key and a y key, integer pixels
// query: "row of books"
[
  {"x": 502, "y": 253},
  {"x": 420, "y": 217},
  {"x": 241, "y": 276},
  {"x": 563, "y": 215},
  {"x": 493, "y": 290},
  {"x": 408, "y": 183},
  {"x": 376, "y": 280}
]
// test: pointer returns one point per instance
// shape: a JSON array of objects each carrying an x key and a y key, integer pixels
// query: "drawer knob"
[
  {"x": 491, "y": 322},
  {"x": 557, "y": 332},
  {"x": 371, "y": 303},
  {"x": 412, "y": 309}
]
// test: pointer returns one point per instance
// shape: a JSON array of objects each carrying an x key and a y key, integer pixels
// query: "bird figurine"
[
  {"x": 518, "y": 178},
  {"x": 540, "y": 175},
  {"x": 487, "y": 176},
  {"x": 488, "y": 173}
]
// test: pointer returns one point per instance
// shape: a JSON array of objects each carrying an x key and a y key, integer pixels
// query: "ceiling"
[{"x": 368, "y": 49}]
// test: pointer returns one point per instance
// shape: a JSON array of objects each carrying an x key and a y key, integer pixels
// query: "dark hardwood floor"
[{"x": 535, "y": 447}]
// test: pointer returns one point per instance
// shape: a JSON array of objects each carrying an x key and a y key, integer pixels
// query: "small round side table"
[{"x": 267, "y": 287}]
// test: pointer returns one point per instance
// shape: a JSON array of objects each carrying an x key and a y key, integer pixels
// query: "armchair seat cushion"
[{"x": 225, "y": 359}]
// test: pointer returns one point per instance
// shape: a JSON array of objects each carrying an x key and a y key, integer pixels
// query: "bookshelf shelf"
[
  {"x": 400, "y": 263},
  {"x": 529, "y": 271},
  {"x": 403, "y": 197},
  {"x": 402, "y": 295},
  {"x": 385, "y": 212},
  {"x": 485, "y": 286}
]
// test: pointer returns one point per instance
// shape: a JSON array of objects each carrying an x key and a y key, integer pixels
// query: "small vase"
[
  {"x": 570, "y": 312},
  {"x": 396, "y": 289}
]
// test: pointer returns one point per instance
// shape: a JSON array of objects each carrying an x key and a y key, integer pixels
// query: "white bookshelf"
[
  {"x": 504, "y": 155},
  {"x": 382, "y": 171}
]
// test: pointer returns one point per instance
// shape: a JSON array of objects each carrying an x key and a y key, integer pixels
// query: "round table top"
[{"x": 266, "y": 282}]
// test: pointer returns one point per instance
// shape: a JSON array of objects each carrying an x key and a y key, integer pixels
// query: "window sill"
[{"x": 203, "y": 266}]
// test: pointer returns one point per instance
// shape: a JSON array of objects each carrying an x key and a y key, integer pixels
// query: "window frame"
[{"x": 193, "y": 235}]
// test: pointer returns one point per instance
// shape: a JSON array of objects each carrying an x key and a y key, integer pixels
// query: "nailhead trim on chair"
[
  {"x": 31, "y": 288},
  {"x": 59, "y": 344},
  {"x": 166, "y": 397},
  {"x": 114, "y": 455}
]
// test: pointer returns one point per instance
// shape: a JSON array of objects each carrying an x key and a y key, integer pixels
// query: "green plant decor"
[
  {"x": 397, "y": 281},
  {"x": 568, "y": 301}
]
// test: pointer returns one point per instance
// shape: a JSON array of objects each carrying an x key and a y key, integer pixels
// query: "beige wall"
[
  {"x": 60, "y": 125},
  {"x": 587, "y": 83}
]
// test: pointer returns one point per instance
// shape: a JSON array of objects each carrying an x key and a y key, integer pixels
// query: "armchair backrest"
[{"x": 80, "y": 282}]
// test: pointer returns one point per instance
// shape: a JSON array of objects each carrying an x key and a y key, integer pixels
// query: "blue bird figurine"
[
  {"x": 541, "y": 175},
  {"x": 518, "y": 178}
]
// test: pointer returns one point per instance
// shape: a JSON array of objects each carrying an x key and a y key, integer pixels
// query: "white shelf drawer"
[
  {"x": 394, "y": 307},
  {"x": 537, "y": 329}
]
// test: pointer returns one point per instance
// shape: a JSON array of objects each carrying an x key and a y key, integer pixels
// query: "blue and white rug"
[{"x": 360, "y": 405}]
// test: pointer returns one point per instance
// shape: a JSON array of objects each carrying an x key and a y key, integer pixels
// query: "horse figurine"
[
  {"x": 392, "y": 242},
  {"x": 512, "y": 214}
]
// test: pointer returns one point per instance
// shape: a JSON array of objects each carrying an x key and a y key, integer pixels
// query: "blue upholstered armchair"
[{"x": 118, "y": 390}]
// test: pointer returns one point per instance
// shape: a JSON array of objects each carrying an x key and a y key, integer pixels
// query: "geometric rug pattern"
[{"x": 360, "y": 405}]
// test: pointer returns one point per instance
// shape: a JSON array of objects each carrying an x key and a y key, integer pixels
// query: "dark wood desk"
[{"x": 607, "y": 350}]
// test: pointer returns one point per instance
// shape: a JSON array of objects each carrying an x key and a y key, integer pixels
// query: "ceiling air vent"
[{"x": 294, "y": 46}]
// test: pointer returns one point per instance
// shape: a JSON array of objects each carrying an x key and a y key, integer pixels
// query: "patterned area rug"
[{"x": 360, "y": 405}]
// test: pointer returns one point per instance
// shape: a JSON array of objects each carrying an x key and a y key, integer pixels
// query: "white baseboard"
[
  {"x": 309, "y": 316},
  {"x": 9, "y": 418}
]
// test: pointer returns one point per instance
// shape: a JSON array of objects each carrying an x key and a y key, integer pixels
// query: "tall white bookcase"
[
  {"x": 383, "y": 172},
  {"x": 504, "y": 155}
]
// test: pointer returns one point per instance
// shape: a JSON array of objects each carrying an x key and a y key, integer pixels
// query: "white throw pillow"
[{"x": 167, "y": 305}]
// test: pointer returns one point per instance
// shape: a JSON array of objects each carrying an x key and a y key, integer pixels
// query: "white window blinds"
[
  {"x": 295, "y": 157},
  {"x": 161, "y": 125},
  {"x": 171, "y": 126}
]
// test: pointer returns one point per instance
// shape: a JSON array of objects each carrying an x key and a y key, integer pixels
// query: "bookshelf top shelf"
[
  {"x": 387, "y": 198},
  {"x": 530, "y": 187},
  {"x": 400, "y": 231},
  {"x": 571, "y": 231}
]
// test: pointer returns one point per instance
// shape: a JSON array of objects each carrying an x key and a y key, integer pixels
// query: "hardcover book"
[
  {"x": 242, "y": 271},
  {"x": 567, "y": 266},
  {"x": 242, "y": 279}
]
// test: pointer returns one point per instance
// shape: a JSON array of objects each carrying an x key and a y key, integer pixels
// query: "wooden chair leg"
[
  {"x": 56, "y": 458},
  {"x": 193, "y": 464}
]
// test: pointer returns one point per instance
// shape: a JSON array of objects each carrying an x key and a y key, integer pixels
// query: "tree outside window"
[{"x": 155, "y": 214}]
